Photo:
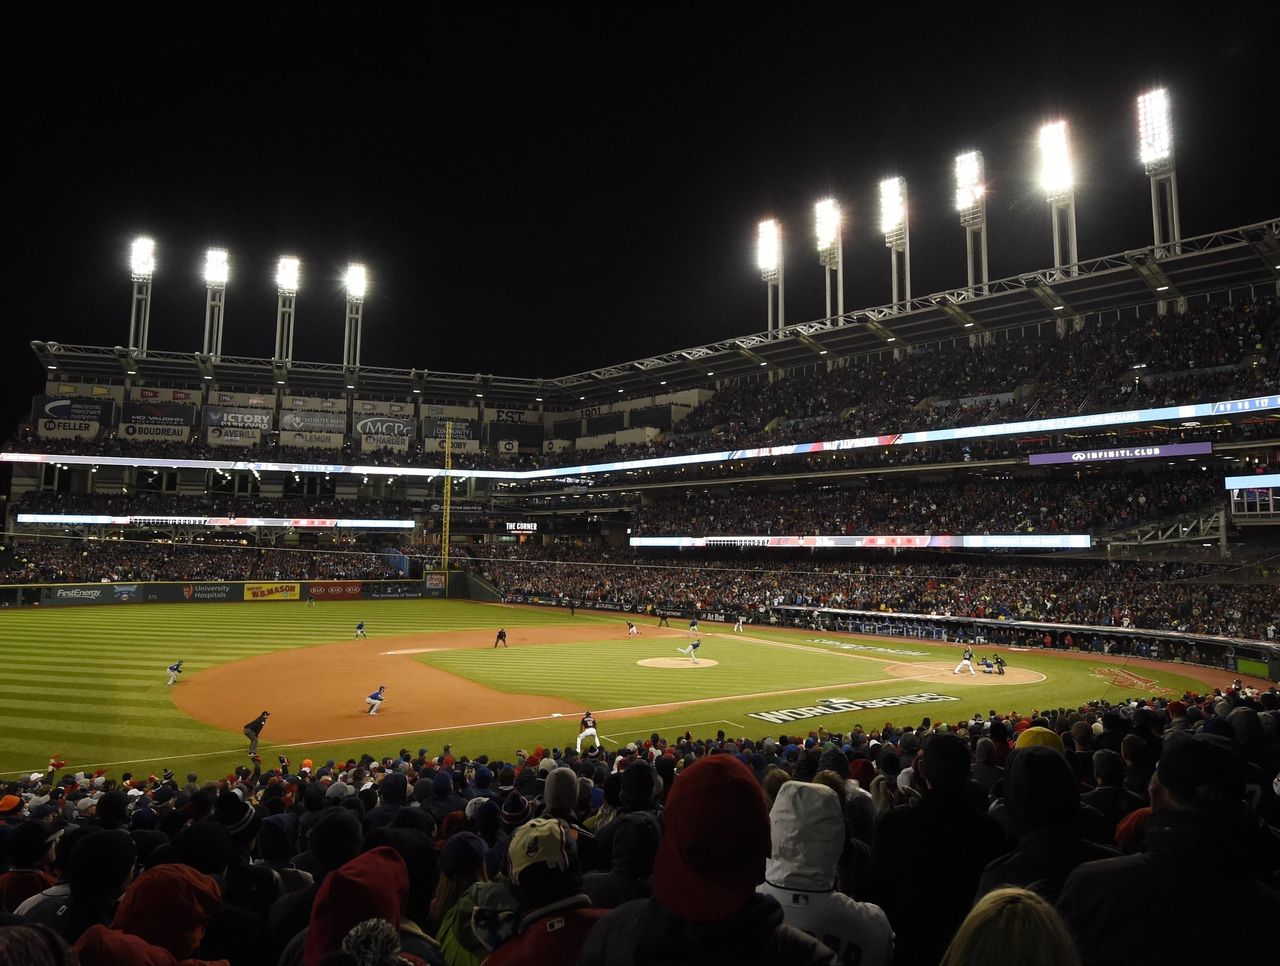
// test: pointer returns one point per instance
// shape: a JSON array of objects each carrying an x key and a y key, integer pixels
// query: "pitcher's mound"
[
  {"x": 675, "y": 662},
  {"x": 939, "y": 673}
]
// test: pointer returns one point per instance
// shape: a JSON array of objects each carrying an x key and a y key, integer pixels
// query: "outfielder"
[
  {"x": 632, "y": 630},
  {"x": 966, "y": 662},
  {"x": 174, "y": 671},
  {"x": 692, "y": 649},
  {"x": 361, "y": 632},
  {"x": 374, "y": 701},
  {"x": 588, "y": 726}
]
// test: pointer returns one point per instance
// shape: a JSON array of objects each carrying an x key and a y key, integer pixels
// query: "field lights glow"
[
  {"x": 969, "y": 186},
  {"x": 827, "y": 219},
  {"x": 768, "y": 246},
  {"x": 142, "y": 258},
  {"x": 1155, "y": 127},
  {"x": 355, "y": 281},
  {"x": 287, "y": 275},
  {"x": 893, "y": 204},
  {"x": 1055, "y": 160},
  {"x": 215, "y": 267}
]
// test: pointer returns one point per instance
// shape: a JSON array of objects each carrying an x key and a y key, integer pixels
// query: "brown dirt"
[
  {"x": 675, "y": 663},
  {"x": 316, "y": 694},
  {"x": 938, "y": 673}
]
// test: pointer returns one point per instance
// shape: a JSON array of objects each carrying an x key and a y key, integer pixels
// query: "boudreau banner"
[
  {"x": 155, "y": 395},
  {"x": 233, "y": 436},
  {"x": 177, "y": 434},
  {"x": 373, "y": 442},
  {"x": 312, "y": 440},
  {"x": 251, "y": 400},
  {"x": 313, "y": 422},
  {"x": 67, "y": 429},
  {"x": 314, "y": 403},
  {"x": 159, "y": 414},
  {"x": 239, "y": 418},
  {"x": 84, "y": 390},
  {"x": 376, "y": 407},
  {"x": 70, "y": 408},
  {"x": 384, "y": 426}
]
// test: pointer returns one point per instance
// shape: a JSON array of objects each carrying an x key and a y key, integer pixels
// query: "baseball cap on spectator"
[
  {"x": 462, "y": 855},
  {"x": 10, "y": 805},
  {"x": 1202, "y": 775},
  {"x": 540, "y": 842},
  {"x": 338, "y": 790},
  {"x": 1033, "y": 737},
  {"x": 546, "y": 765},
  {"x": 889, "y": 764},
  {"x": 484, "y": 777},
  {"x": 715, "y": 843}
]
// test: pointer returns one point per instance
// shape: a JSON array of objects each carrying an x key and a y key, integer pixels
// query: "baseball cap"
[
  {"x": 1039, "y": 736},
  {"x": 1202, "y": 773},
  {"x": 541, "y": 841}
]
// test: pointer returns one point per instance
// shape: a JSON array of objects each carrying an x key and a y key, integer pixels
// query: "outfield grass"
[{"x": 89, "y": 683}]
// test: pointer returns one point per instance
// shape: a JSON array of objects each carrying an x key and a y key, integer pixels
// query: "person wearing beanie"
[
  {"x": 334, "y": 841},
  {"x": 1198, "y": 816},
  {"x": 516, "y": 810},
  {"x": 241, "y": 821},
  {"x": 393, "y": 792},
  {"x": 443, "y": 800},
  {"x": 808, "y": 835},
  {"x": 705, "y": 907},
  {"x": 555, "y": 915},
  {"x": 1040, "y": 736},
  {"x": 27, "y": 849},
  {"x": 461, "y": 865},
  {"x": 417, "y": 849}
]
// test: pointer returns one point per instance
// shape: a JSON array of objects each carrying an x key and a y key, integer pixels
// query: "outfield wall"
[{"x": 218, "y": 591}]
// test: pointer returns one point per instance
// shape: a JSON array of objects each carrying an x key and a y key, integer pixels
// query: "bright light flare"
[
  {"x": 1155, "y": 127},
  {"x": 356, "y": 281},
  {"x": 827, "y": 220},
  {"x": 969, "y": 177},
  {"x": 893, "y": 204},
  {"x": 287, "y": 275},
  {"x": 1055, "y": 160},
  {"x": 768, "y": 245},
  {"x": 215, "y": 267},
  {"x": 142, "y": 258}
]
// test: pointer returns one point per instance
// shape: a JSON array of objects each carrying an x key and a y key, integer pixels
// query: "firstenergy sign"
[{"x": 843, "y": 705}]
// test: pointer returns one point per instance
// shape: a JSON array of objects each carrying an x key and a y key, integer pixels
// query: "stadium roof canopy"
[{"x": 1207, "y": 265}]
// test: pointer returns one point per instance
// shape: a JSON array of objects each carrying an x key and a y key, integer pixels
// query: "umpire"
[{"x": 253, "y": 731}]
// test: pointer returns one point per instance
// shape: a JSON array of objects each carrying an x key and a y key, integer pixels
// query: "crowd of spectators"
[
  {"x": 147, "y": 503},
  {"x": 1075, "y": 502},
  {"x": 1158, "y": 596},
  {"x": 1058, "y": 836}
]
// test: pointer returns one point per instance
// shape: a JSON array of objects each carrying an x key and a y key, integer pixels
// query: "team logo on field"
[{"x": 1120, "y": 678}]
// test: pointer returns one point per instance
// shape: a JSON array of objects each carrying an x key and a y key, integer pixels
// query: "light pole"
[
  {"x": 1059, "y": 184},
  {"x": 827, "y": 220},
  {"x": 769, "y": 259},
  {"x": 215, "y": 287},
  {"x": 286, "y": 293},
  {"x": 897, "y": 231},
  {"x": 355, "y": 282},
  {"x": 142, "y": 265},
  {"x": 1155, "y": 137},
  {"x": 971, "y": 203}
]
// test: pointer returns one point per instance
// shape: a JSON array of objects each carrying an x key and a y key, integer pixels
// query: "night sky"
[{"x": 536, "y": 195}]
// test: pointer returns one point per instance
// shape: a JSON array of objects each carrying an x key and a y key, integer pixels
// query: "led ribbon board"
[
  {"x": 1259, "y": 481},
  {"x": 149, "y": 520},
  {"x": 1020, "y": 541}
]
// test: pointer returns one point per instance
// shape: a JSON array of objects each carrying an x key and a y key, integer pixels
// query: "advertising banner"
[
  {"x": 394, "y": 589},
  {"x": 234, "y": 437},
  {"x": 1122, "y": 453},
  {"x": 71, "y": 594},
  {"x": 335, "y": 589},
  {"x": 312, "y": 422},
  {"x": 435, "y": 411},
  {"x": 384, "y": 426},
  {"x": 195, "y": 592},
  {"x": 159, "y": 414},
  {"x": 434, "y": 581},
  {"x": 276, "y": 591},
  {"x": 459, "y": 445},
  {"x": 251, "y": 400},
  {"x": 373, "y": 443},
  {"x": 314, "y": 403},
  {"x": 508, "y": 447},
  {"x": 177, "y": 434},
  {"x": 1023, "y": 541},
  {"x": 67, "y": 429},
  {"x": 238, "y": 418},
  {"x": 189, "y": 397},
  {"x": 311, "y": 440},
  {"x": 377, "y": 407},
  {"x": 87, "y": 390},
  {"x": 72, "y": 409}
]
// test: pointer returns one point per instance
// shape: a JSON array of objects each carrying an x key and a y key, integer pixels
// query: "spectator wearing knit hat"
[
  {"x": 28, "y": 849},
  {"x": 461, "y": 865},
  {"x": 710, "y": 860}
]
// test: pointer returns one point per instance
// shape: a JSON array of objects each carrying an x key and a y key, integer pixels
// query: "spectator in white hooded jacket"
[{"x": 808, "y": 835}]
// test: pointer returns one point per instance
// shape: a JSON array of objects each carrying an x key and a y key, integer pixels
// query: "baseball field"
[{"x": 89, "y": 683}]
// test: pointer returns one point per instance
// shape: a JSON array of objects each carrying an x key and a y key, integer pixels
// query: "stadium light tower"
[
  {"x": 1059, "y": 184},
  {"x": 971, "y": 202},
  {"x": 355, "y": 282},
  {"x": 1155, "y": 138},
  {"x": 215, "y": 287},
  {"x": 769, "y": 258},
  {"x": 897, "y": 230},
  {"x": 142, "y": 265},
  {"x": 286, "y": 292},
  {"x": 827, "y": 219}
]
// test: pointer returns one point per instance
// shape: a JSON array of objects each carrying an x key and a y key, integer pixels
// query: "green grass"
[{"x": 88, "y": 682}]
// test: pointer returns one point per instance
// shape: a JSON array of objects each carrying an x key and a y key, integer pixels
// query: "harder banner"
[
  {"x": 311, "y": 440},
  {"x": 277, "y": 591},
  {"x": 149, "y": 394},
  {"x": 384, "y": 426},
  {"x": 239, "y": 418},
  {"x": 303, "y": 421},
  {"x": 72, "y": 409},
  {"x": 335, "y": 589},
  {"x": 177, "y": 434},
  {"x": 234, "y": 437},
  {"x": 159, "y": 414},
  {"x": 373, "y": 443},
  {"x": 67, "y": 429}
]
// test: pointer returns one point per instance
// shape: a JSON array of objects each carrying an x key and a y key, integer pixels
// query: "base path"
[
  {"x": 943, "y": 673},
  {"x": 316, "y": 694}
]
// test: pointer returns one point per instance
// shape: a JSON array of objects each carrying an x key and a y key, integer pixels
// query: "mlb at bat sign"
[
  {"x": 231, "y": 436},
  {"x": 1122, "y": 453},
  {"x": 336, "y": 589},
  {"x": 159, "y": 414},
  {"x": 275, "y": 591},
  {"x": 239, "y": 418},
  {"x": 67, "y": 429},
  {"x": 156, "y": 395},
  {"x": 296, "y": 421},
  {"x": 144, "y": 431},
  {"x": 827, "y": 706},
  {"x": 311, "y": 440},
  {"x": 75, "y": 410}
]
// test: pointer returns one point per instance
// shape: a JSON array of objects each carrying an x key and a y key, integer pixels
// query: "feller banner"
[
  {"x": 311, "y": 440},
  {"x": 159, "y": 414},
  {"x": 149, "y": 394},
  {"x": 67, "y": 429},
  {"x": 298, "y": 421},
  {"x": 75, "y": 410},
  {"x": 240, "y": 418},
  {"x": 234, "y": 437},
  {"x": 272, "y": 591},
  {"x": 178, "y": 434},
  {"x": 336, "y": 589}
]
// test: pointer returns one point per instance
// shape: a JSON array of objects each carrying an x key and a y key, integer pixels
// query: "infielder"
[
  {"x": 174, "y": 671},
  {"x": 692, "y": 649},
  {"x": 632, "y": 630},
  {"x": 966, "y": 662},
  {"x": 588, "y": 726},
  {"x": 501, "y": 638},
  {"x": 361, "y": 632},
  {"x": 693, "y": 624},
  {"x": 374, "y": 701}
]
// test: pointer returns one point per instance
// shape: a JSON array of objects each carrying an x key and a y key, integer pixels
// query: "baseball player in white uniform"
[
  {"x": 588, "y": 726},
  {"x": 737, "y": 625},
  {"x": 632, "y": 630},
  {"x": 966, "y": 662}
]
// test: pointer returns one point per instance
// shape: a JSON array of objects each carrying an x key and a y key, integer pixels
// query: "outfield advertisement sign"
[
  {"x": 1122, "y": 453},
  {"x": 301, "y": 421},
  {"x": 275, "y": 591},
  {"x": 67, "y": 429},
  {"x": 1025, "y": 541},
  {"x": 158, "y": 414},
  {"x": 233, "y": 436},
  {"x": 71, "y": 409},
  {"x": 825, "y": 706},
  {"x": 259, "y": 419},
  {"x": 177, "y": 433},
  {"x": 396, "y": 590},
  {"x": 71, "y": 594},
  {"x": 335, "y": 589}
]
